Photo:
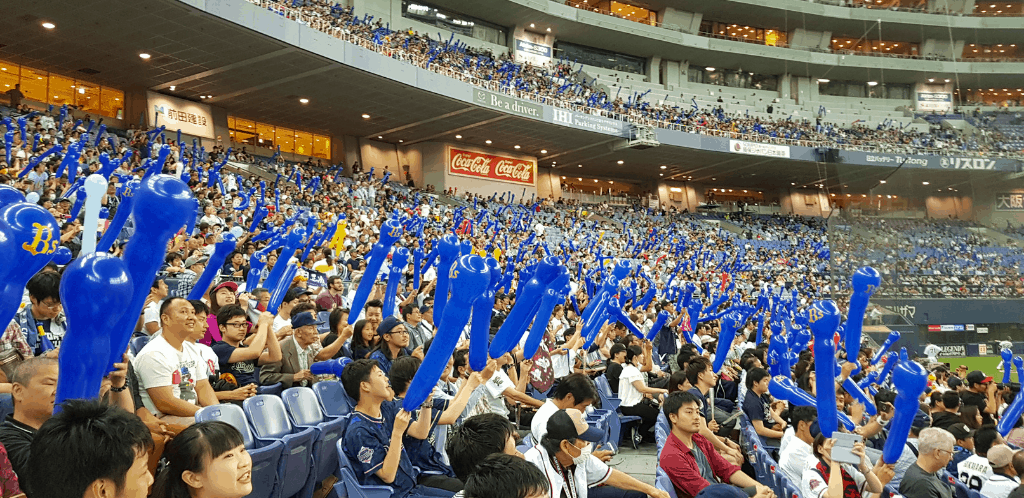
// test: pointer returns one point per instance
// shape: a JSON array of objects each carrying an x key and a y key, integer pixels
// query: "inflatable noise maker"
[
  {"x": 161, "y": 207},
  {"x": 910, "y": 379},
  {"x": 213, "y": 266},
  {"x": 865, "y": 281},
  {"x": 1007, "y": 355},
  {"x": 390, "y": 231},
  {"x": 480, "y": 327},
  {"x": 29, "y": 236},
  {"x": 527, "y": 305},
  {"x": 823, "y": 318},
  {"x": 894, "y": 336},
  {"x": 470, "y": 278},
  {"x": 95, "y": 291},
  {"x": 1013, "y": 412}
]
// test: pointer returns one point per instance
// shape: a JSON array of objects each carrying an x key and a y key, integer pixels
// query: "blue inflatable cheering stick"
[
  {"x": 161, "y": 205},
  {"x": 29, "y": 236},
  {"x": 553, "y": 294},
  {"x": 865, "y": 281},
  {"x": 525, "y": 309},
  {"x": 658, "y": 324},
  {"x": 390, "y": 231},
  {"x": 470, "y": 278},
  {"x": 480, "y": 328},
  {"x": 889, "y": 341},
  {"x": 95, "y": 290},
  {"x": 448, "y": 252},
  {"x": 399, "y": 260},
  {"x": 213, "y": 267},
  {"x": 910, "y": 379},
  {"x": 123, "y": 210},
  {"x": 1012, "y": 413},
  {"x": 731, "y": 322},
  {"x": 417, "y": 261},
  {"x": 823, "y": 318},
  {"x": 892, "y": 358}
]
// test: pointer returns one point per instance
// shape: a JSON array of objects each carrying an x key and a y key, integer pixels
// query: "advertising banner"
[
  {"x": 534, "y": 53},
  {"x": 759, "y": 149},
  {"x": 1010, "y": 201},
  {"x": 955, "y": 350},
  {"x": 497, "y": 168},
  {"x": 934, "y": 101},
  {"x": 178, "y": 114}
]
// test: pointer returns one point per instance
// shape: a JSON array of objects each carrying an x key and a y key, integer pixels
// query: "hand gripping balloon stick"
[
  {"x": 390, "y": 231},
  {"x": 525, "y": 309},
  {"x": 123, "y": 210},
  {"x": 889, "y": 341},
  {"x": 470, "y": 278},
  {"x": 31, "y": 235},
  {"x": 1013, "y": 412},
  {"x": 292, "y": 243},
  {"x": 730, "y": 324},
  {"x": 823, "y": 318},
  {"x": 553, "y": 294},
  {"x": 865, "y": 281},
  {"x": 479, "y": 332},
  {"x": 95, "y": 290},
  {"x": 221, "y": 250},
  {"x": 910, "y": 379},
  {"x": 448, "y": 250},
  {"x": 399, "y": 260},
  {"x": 1007, "y": 355},
  {"x": 161, "y": 205}
]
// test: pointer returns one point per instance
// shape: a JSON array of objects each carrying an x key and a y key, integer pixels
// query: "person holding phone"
[{"x": 832, "y": 479}]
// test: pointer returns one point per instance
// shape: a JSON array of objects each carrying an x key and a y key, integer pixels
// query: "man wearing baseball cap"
[
  {"x": 964, "y": 446},
  {"x": 981, "y": 392},
  {"x": 564, "y": 455},
  {"x": 297, "y": 354},
  {"x": 1004, "y": 478}
]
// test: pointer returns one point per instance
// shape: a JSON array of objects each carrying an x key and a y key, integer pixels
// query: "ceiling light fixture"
[
  {"x": 924, "y": 183},
  {"x": 872, "y": 83},
  {"x": 488, "y": 142},
  {"x": 49, "y": 25},
  {"x": 515, "y": 146},
  {"x": 620, "y": 161},
  {"x": 931, "y": 80},
  {"x": 171, "y": 88},
  {"x": 549, "y": 30},
  {"x": 823, "y": 80},
  {"x": 531, "y": 25},
  {"x": 303, "y": 101},
  {"x": 380, "y": 137},
  {"x": 883, "y": 181},
  {"x": 366, "y": 116},
  {"x": 709, "y": 69},
  {"x": 664, "y": 167},
  {"x": 144, "y": 56},
  {"x": 458, "y": 136},
  {"x": 543, "y": 151}
]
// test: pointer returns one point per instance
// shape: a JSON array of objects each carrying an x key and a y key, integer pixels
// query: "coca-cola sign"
[{"x": 498, "y": 168}]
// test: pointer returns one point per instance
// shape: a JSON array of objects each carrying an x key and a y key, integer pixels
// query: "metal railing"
[{"x": 422, "y": 61}]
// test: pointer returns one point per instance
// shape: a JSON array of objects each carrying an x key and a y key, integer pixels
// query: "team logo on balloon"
[
  {"x": 395, "y": 231},
  {"x": 814, "y": 315},
  {"x": 43, "y": 242}
]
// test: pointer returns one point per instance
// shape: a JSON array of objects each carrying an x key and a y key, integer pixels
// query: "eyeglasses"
[
  {"x": 237, "y": 325},
  {"x": 947, "y": 451},
  {"x": 51, "y": 307},
  {"x": 403, "y": 331}
]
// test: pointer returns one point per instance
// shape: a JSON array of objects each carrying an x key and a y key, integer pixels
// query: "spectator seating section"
[
  {"x": 272, "y": 389},
  {"x": 266, "y": 456},
  {"x": 270, "y": 422},
  {"x": 609, "y": 402},
  {"x": 305, "y": 412},
  {"x": 663, "y": 482},
  {"x": 137, "y": 343}
]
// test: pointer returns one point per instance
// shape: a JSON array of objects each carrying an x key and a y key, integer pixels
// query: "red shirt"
[{"x": 681, "y": 466}]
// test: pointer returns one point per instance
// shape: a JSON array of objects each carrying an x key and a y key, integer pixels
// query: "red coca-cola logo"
[{"x": 476, "y": 164}]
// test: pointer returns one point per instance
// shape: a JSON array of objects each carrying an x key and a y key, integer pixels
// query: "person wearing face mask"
[
  {"x": 207, "y": 460},
  {"x": 564, "y": 455}
]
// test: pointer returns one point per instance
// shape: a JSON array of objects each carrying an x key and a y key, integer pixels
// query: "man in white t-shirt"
[
  {"x": 500, "y": 386},
  {"x": 173, "y": 375},
  {"x": 151, "y": 313}
]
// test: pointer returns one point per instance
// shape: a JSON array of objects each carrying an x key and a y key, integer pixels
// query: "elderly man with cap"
[
  {"x": 297, "y": 354},
  {"x": 981, "y": 392},
  {"x": 564, "y": 455},
  {"x": 1004, "y": 477},
  {"x": 394, "y": 343}
]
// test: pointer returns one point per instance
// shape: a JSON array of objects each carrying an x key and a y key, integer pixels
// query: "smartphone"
[{"x": 842, "y": 450}]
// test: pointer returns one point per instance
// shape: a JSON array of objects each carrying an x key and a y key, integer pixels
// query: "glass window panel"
[
  {"x": 33, "y": 85},
  {"x": 231, "y": 122},
  {"x": 8, "y": 78},
  {"x": 321, "y": 146},
  {"x": 87, "y": 97},
  {"x": 264, "y": 135},
  {"x": 62, "y": 91},
  {"x": 304, "y": 143},
  {"x": 286, "y": 139},
  {"x": 111, "y": 102}
]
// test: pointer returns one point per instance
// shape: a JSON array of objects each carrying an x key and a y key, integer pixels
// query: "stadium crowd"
[
  {"x": 563, "y": 84},
  {"x": 690, "y": 284}
]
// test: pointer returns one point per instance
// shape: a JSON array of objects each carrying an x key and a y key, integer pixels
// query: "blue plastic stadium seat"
[
  {"x": 604, "y": 390},
  {"x": 137, "y": 343},
  {"x": 6, "y": 405},
  {"x": 353, "y": 487},
  {"x": 269, "y": 422},
  {"x": 663, "y": 483},
  {"x": 333, "y": 400},
  {"x": 272, "y": 389},
  {"x": 305, "y": 412},
  {"x": 266, "y": 459}
]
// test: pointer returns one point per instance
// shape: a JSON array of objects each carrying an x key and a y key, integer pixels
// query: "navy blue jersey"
[
  {"x": 366, "y": 443},
  {"x": 422, "y": 452}
]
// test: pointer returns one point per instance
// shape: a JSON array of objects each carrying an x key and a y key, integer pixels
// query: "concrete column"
[
  {"x": 671, "y": 75},
  {"x": 654, "y": 70},
  {"x": 784, "y": 82}
]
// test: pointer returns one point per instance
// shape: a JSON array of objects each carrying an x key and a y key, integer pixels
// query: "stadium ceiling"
[{"x": 256, "y": 77}]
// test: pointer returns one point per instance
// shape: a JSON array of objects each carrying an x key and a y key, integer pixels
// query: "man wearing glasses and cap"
[{"x": 564, "y": 455}]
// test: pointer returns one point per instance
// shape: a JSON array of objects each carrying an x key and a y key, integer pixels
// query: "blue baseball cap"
[{"x": 303, "y": 319}]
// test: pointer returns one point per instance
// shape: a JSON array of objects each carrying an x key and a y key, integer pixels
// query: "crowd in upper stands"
[{"x": 562, "y": 83}]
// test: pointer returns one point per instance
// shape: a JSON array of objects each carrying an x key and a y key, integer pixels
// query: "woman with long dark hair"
[{"x": 206, "y": 460}]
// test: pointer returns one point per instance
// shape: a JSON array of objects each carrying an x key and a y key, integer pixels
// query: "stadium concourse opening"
[{"x": 488, "y": 249}]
